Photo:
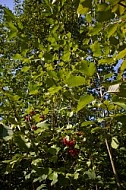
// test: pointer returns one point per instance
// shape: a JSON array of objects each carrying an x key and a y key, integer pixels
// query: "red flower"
[
  {"x": 27, "y": 117},
  {"x": 34, "y": 127},
  {"x": 74, "y": 152},
  {"x": 32, "y": 113},
  {"x": 69, "y": 143},
  {"x": 65, "y": 141}
]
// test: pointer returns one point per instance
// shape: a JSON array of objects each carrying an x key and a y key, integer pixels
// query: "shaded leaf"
[
  {"x": 84, "y": 100},
  {"x": 9, "y": 13},
  {"x": 104, "y": 16}
]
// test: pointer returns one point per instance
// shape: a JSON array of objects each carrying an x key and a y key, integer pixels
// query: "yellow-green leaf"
[
  {"x": 123, "y": 66},
  {"x": 121, "y": 54},
  {"x": 114, "y": 143},
  {"x": 112, "y": 29},
  {"x": 75, "y": 81}
]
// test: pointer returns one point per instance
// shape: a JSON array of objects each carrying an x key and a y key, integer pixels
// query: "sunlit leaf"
[
  {"x": 53, "y": 177},
  {"x": 87, "y": 68},
  {"x": 123, "y": 65},
  {"x": 121, "y": 54},
  {"x": 123, "y": 105},
  {"x": 25, "y": 69},
  {"x": 75, "y": 81},
  {"x": 111, "y": 30},
  {"x": 84, "y": 7},
  {"x": 54, "y": 89},
  {"x": 17, "y": 57},
  {"x": 86, "y": 123},
  {"x": 114, "y": 143}
]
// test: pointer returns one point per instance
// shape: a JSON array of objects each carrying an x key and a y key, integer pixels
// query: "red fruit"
[
  {"x": 27, "y": 117},
  {"x": 74, "y": 152},
  {"x": 34, "y": 127},
  {"x": 79, "y": 133},
  {"x": 71, "y": 143},
  {"x": 32, "y": 113}
]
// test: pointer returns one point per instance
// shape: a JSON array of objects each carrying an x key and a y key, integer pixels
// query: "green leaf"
[
  {"x": 123, "y": 65},
  {"x": 42, "y": 126},
  {"x": 66, "y": 56},
  {"x": 111, "y": 30},
  {"x": 48, "y": 56},
  {"x": 108, "y": 60},
  {"x": 75, "y": 81},
  {"x": 12, "y": 34},
  {"x": 121, "y": 54},
  {"x": 37, "y": 162},
  {"x": 96, "y": 29},
  {"x": 84, "y": 100},
  {"x": 9, "y": 14},
  {"x": 113, "y": 2},
  {"x": 104, "y": 16},
  {"x": 54, "y": 89},
  {"x": 84, "y": 7},
  {"x": 33, "y": 89},
  {"x": 25, "y": 68},
  {"x": 123, "y": 105},
  {"x": 37, "y": 118},
  {"x": 17, "y": 57},
  {"x": 76, "y": 175},
  {"x": 102, "y": 7},
  {"x": 12, "y": 27},
  {"x": 86, "y": 123},
  {"x": 54, "y": 177},
  {"x": 87, "y": 68},
  {"x": 54, "y": 150},
  {"x": 114, "y": 143},
  {"x": 20, "y": 140},
  {"x": 96, "y": 49},
  {"x": 91, "y": 174},
  {"x": 42, "y": 186}
]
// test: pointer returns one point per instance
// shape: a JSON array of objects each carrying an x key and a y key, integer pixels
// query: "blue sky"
[{"x": 8, "y": 3}]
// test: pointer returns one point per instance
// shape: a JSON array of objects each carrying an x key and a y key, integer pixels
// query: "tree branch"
[
  {"x": 122, "y": 4},
  {"x": 113, "y": 165}
]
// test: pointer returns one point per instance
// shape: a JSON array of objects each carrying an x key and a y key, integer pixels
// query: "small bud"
[
  {"x": 34, "y": 128},
  {"x": 28, "y": 118}
]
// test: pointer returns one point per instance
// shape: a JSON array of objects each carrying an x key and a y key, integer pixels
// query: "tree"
[{"x": 62, "y": 96}]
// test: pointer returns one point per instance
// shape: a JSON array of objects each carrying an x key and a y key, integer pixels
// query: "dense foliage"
[{"x": 63, "y": 95}]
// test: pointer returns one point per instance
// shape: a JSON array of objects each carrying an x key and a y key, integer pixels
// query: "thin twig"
[{"x": 113, "y": 165}]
